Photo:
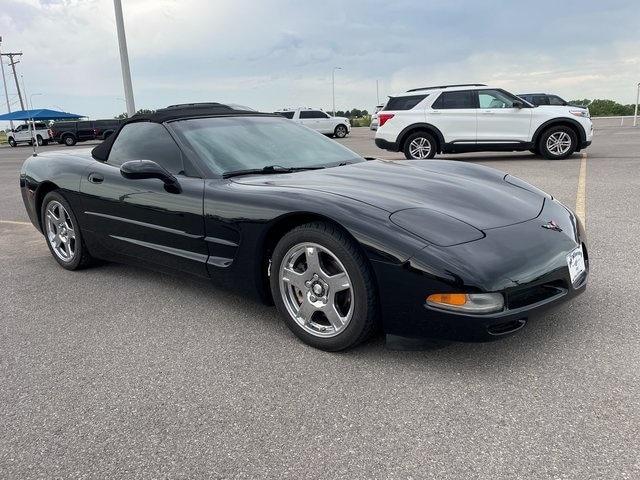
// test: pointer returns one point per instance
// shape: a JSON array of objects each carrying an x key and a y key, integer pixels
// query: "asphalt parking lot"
[{"x": 116, "y": 372}]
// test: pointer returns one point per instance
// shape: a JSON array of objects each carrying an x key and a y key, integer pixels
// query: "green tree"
[
  {"x": 605, "y": 108},
  {"x": 142, "y": 111}
]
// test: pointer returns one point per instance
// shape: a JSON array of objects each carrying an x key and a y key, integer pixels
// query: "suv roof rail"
[{"x": 448, "y": 86}]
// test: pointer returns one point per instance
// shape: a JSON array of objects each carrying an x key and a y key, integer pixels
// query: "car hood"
[{"x": 476, "y": 195}]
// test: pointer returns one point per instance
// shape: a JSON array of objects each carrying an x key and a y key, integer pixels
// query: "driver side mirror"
[{"x": 142, "y": 169}]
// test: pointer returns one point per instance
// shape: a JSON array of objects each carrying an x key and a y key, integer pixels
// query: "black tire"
[
  {"x": 420, "y": 146},
  {"x": 557, "y": 143},
  {"x": 69, "y": 140},
  {"x": 62, "y": 232},
  {"x": 324, "y": 288},
  {"x": 12, "y": 142},
  {"x": 340, "y": 131},
  {"x": 40, "y": 140}
]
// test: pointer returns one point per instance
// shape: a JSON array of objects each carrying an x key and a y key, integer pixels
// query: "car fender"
[{"x": 569, "y": 122}]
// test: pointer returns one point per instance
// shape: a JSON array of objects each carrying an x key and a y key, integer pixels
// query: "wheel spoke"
[
  {"x": 338, "y": 283},
  {"x": 337, "y": 321},
  {"x": 305, "y": 312},
  {"x": 313, "y": 260},
  {"x": 295, "y": 279}
]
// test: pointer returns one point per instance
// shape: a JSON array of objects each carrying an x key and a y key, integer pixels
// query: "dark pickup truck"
[{"x": 71, "y": 133}]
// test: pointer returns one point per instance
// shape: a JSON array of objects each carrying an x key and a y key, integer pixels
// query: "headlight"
[
  {"x": 580, "y": 113},
  {"x": 467, "y": 302}
]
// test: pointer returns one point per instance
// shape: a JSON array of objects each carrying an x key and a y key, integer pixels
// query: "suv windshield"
[{"x": 229, "y": 144}]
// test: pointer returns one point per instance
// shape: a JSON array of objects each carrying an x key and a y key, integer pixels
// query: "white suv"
[
  {"x": 475, "y": 118},
  {"x": 318, "y": 120}
]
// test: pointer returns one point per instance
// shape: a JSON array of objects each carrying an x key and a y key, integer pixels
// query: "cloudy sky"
[{"x": 271, "y": 54}]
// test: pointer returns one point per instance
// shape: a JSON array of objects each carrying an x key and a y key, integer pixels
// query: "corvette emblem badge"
[{"x": 552, "y": 225}]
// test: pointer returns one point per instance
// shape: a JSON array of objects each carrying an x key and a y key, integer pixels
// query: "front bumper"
[{"x": 524, "y": 262}]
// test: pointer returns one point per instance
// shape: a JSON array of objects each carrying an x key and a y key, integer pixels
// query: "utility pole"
[
  {"x": 4, "y": 82},
  {"x": 13, "y": 64}
]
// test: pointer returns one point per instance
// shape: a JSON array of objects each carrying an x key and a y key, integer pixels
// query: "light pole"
[
  {"x": 32, "y": 129},
  {"x": 333, "y": 88},
  {"x": 635, "y": 115},
  {"x": 124, "y": 59}
]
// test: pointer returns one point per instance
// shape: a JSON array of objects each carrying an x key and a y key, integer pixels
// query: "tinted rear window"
[
  {"x": 404, "y": 103},
  {"x": 287, "y": 114},
  {"x": 455, "y": 100}
]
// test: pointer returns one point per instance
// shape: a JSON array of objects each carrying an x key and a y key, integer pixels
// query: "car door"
[
  {"x": 142, "y": 218},
  {"x": 455, "y": 114},
  {"x": 499, "y": 121},
  {"x": 85, "y": 130}
]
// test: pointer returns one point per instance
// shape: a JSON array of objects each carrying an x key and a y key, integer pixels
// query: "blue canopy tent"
[{"x": 41, "y": 114}]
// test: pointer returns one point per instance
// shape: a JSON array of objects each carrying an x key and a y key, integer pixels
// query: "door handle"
[{"x": 95, "y": 178}]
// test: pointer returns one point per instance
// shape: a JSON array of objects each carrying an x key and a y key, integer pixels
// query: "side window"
[
  {"x": 455, "y": 100},
  {"x": 495, "y": 99},
  {"x": 404, "y": 103},
  {"x": 287, "y": 114},
  {"x": 556, "y": 100},
  {"x": 313, "y": 114},
  {"x": 147, "y": 141}
]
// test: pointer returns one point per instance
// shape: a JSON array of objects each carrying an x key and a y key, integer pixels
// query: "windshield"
[{"x": 229, "y": 144}]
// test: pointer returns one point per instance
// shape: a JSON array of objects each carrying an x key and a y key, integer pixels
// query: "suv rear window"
[{"x": 404, "y": 103}]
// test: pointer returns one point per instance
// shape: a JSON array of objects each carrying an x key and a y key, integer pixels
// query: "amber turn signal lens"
[
  {"x": 448, "y": 298},
  {"x": 473, "y": 303}
]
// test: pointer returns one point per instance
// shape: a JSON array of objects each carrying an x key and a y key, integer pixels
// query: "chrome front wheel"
[
  {"x": 323, "y": 287},
  {"x": 316, "y": 290}
]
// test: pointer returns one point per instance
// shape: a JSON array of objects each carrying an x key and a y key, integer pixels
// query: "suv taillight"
[{"x": 383, "y": 117}]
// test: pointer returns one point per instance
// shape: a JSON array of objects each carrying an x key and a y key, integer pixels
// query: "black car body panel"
[{"x": 423, "y": 226}]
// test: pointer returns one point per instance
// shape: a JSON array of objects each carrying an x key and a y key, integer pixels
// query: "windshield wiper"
[{"x": 269, "y": 169}]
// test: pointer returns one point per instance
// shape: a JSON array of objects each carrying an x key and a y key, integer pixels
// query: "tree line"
[{"x": 605, "y": 108}]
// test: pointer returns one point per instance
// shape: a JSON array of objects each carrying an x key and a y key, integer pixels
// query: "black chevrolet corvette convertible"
[{"x": 342, "y": 245}]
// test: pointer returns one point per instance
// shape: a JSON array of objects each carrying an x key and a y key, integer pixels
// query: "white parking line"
[
  {"x": 10, "y": 222},
  {"x": 581, "y": 196}
]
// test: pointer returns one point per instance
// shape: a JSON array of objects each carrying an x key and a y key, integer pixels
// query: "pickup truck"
[
  {"x": 23, "y": 134},
  {"x": 71, "y": 132},
  {"x": 318, "y": 120}
]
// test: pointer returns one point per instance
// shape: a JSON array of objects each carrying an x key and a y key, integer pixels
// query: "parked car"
[
  {"x": 102, "y": 129},
  {"x": 477, "y": 118},
  {"x": 72, "y": 132},
  {"x": 542, "y": 99},
  {"x": 343, "y": 246},
  {"x": 319, "y": 121},
  {"x": 27, "y": 133},
  {"x": 374, "y": 118}
]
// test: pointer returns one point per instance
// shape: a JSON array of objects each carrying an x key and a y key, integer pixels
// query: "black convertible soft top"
[{"x": 174, "y": 112}]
